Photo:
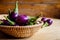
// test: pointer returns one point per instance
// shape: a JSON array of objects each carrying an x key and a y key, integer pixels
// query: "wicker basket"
[{"x": 20, "y": 31}]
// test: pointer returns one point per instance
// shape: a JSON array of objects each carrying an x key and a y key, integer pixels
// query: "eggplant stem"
[
  {"x": 45, "y": 25},
  {"x": 1, "y": 22},
  {"x": 16, "y": 7},
  {"x": 11, "y": 22},
  {"x": 9, "y": 11}
]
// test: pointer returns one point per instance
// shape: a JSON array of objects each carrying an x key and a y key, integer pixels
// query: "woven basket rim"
[{"x": 21, "y": 26}]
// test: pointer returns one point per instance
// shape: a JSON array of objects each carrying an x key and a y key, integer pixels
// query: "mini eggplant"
[
  {"x": 14, "y": 14},
  {"x": 4, "y": 22},
  {"x": 10, "y": 22},
  {"x": 49, "y": 21},
  {"x": 44, "y": 19},
  {"x": 22, "y": 19}
]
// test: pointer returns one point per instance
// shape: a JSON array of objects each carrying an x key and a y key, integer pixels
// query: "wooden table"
[{"x": 48, "y": 33}]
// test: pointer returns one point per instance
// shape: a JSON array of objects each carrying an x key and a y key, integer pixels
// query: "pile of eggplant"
[{"x": 16, "y": 19}]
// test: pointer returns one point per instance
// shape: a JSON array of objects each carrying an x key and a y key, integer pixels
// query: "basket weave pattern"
[{"x": 19, "y": 31}]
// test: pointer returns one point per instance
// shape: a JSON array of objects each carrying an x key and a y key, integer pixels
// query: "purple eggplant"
[
  {"x": 49, "y": 21},
  {"x": 10, "y": 22},
  {"x": 22, "y": 20},
  {"x": 14, "y": 14},
  {"x": 43, "y": 19},
  {"x": 4, "y": 22}
]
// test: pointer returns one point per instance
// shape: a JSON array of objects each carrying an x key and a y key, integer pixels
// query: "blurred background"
[{"x": 47, "y": 8}]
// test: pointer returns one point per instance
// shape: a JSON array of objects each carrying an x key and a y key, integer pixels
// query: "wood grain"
[
  {"x": 30, "y": 0},
  {"x": 34, "y": 9}
]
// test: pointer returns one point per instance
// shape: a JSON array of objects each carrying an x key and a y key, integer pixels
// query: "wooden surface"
[
  {"x": 47, "y": 10},
  {"x": 56, "y": 1},
  {"x": 33, "y": 7},
  {"x": 48, "y": 33}
]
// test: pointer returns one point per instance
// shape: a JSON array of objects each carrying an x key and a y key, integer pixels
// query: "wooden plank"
[
  {"x": 47, "y": 10},
  {"x": 30, "y": 0}
]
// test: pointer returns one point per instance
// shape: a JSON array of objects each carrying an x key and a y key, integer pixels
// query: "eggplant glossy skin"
[
  {"x": 43, "y": 19},
  {"x": 49, "y": 21},
  {"x": 13, "y": 16},
  {"x": 5, "y": 22},
  {"x": 22, "y": 20}
]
